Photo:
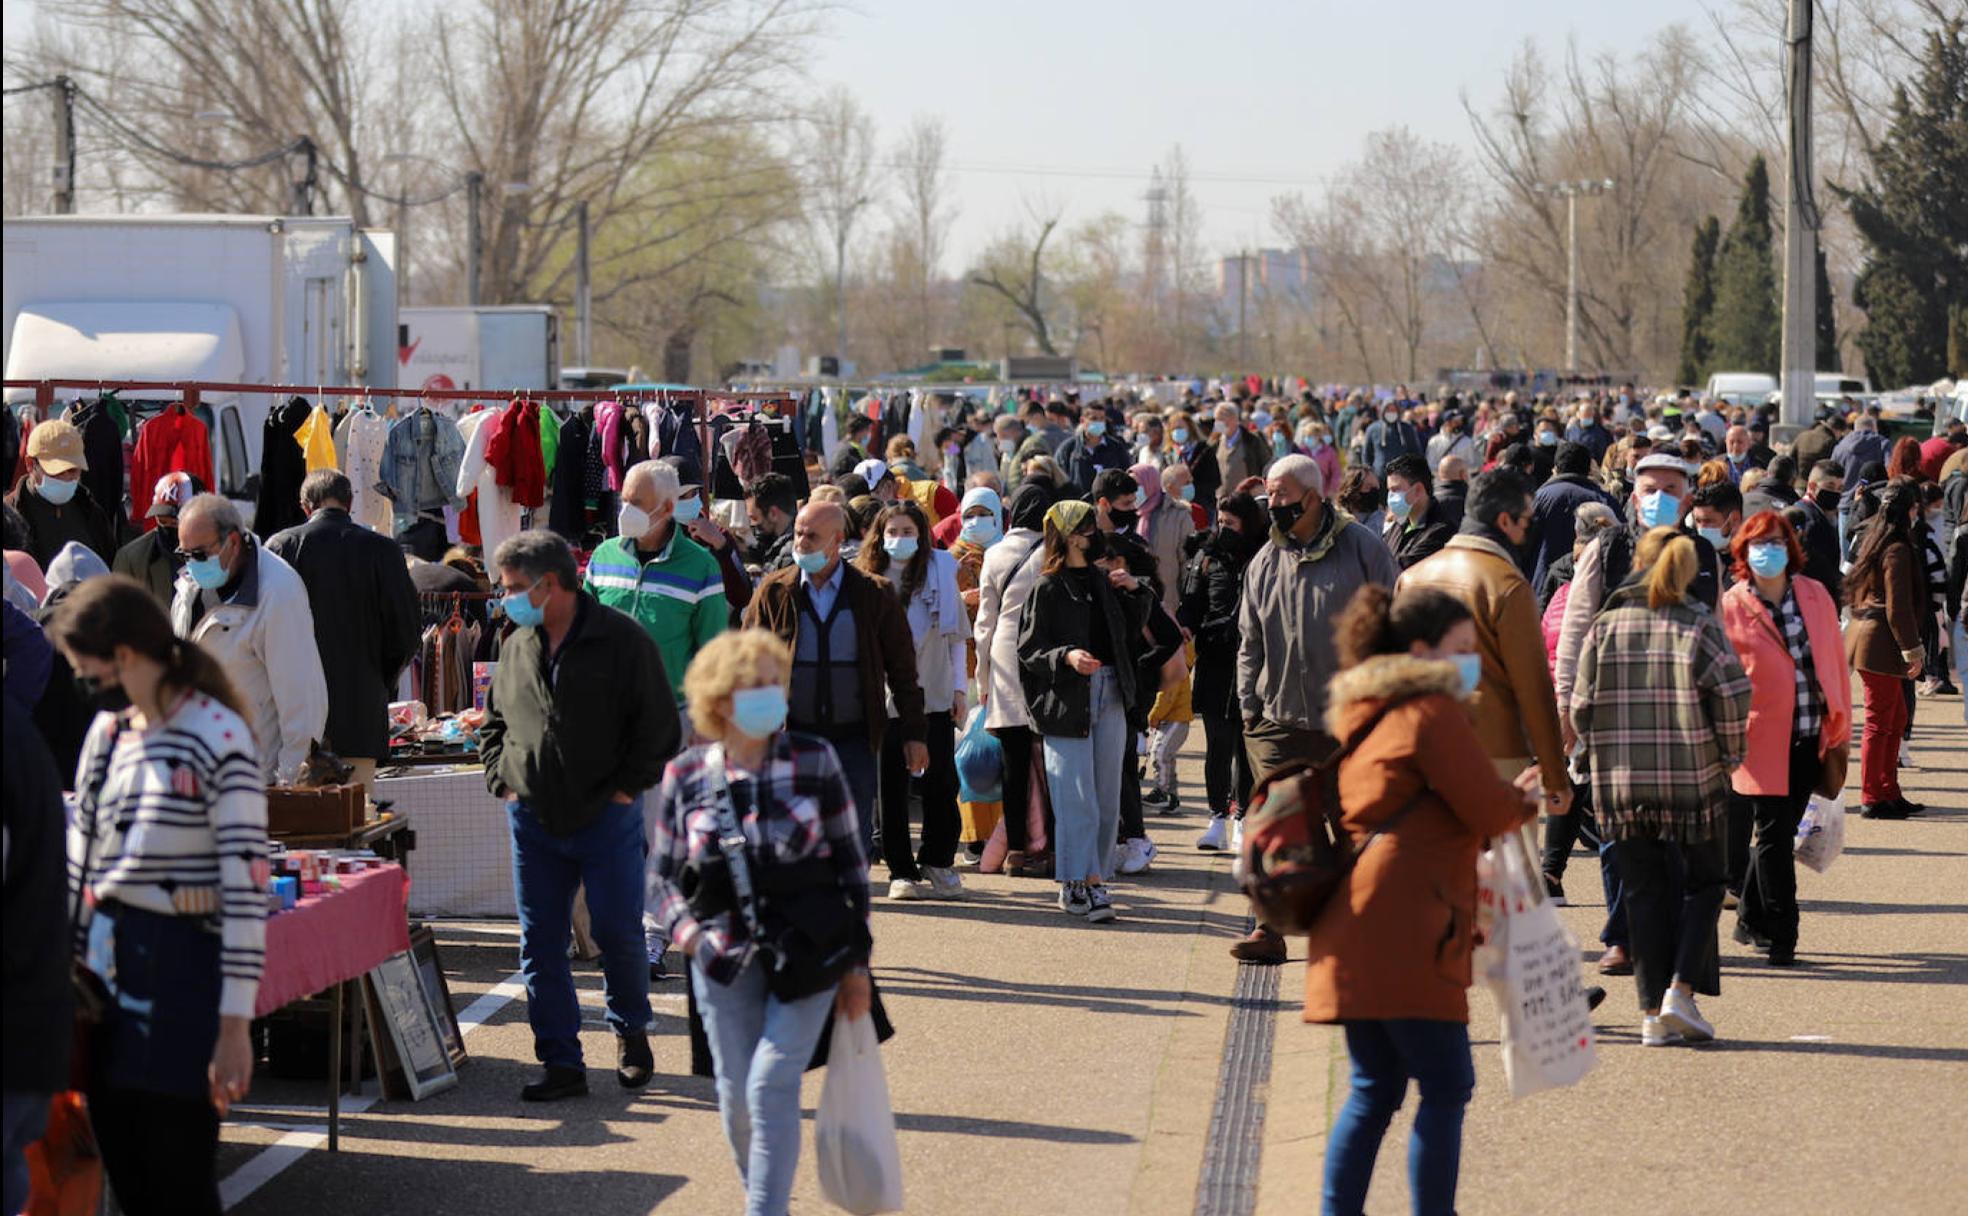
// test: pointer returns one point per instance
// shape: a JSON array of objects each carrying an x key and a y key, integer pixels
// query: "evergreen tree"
[
  {"x": 1698, "y": 303},
  {"x": 1828, "y": 360},
  {"x": 1747, "y": 327},
  {"x": 1913, "y": 220}
]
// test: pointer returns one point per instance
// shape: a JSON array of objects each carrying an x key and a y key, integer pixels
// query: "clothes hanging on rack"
[
  {"x": 729, "y": 482},
  {"x": 175, "y": 441},
  {"x": 567, "y": 510},
  {"x": 549, "y": 440},
  {"x": 673, "y": 423},
  {"x": 359, "y": 442},
  {"x": 317, "y": 439},
  {"x": 498, "y": 514},
  {"x": 420, "y": 468},
  {"x": 609, "y": 426},
  {"x": 103, "y": 423},
  {"x": 512, "y": 451},
  {"x": 282, "y": 467}
]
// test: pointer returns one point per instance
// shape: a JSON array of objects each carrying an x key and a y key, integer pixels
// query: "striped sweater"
[
  {"x": 179, "y": 814},
  {"x": 677, "y": 596}
]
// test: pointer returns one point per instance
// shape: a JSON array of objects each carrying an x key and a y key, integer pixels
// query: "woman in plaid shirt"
[
  {"x": 1662, "y": 705},
  {"x": 792, "y": 806}
]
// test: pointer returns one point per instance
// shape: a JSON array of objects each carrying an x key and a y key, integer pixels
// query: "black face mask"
[
  {"x": 1097, "y": 546},
  {"x": 1122, "y": 520},
  {"x": 1285, "y": 515},
  {"x": 1827, "y": 500},
  {"x": 106, "y": 698}
]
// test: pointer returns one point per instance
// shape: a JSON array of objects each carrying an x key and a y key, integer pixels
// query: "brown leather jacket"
[
  {"x": 1516, "y": 710},
  {"x": 887, "y": 648},
  {"x": 1886, "y": 623}
]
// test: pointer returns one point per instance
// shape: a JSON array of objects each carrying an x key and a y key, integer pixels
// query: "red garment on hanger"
[
  {"x": 514, "y": 452},
  {"x": 173, "y": 442}
]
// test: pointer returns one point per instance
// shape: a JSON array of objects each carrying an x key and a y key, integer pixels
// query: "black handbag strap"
[{"x": 731, "y": 843}]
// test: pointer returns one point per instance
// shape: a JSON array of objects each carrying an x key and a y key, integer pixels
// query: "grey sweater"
[{"x": 1292, "y": 595}]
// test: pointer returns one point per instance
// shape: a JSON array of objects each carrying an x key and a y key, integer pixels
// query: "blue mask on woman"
[
  {"x": 688, "y": 509},
  {"x": 1180, "y": 434},
  {"x": 1188, "y": 492},
  {"x": 1470, "y": 668},
  {"x": 899, "y": 548},
  {"x": 1768, "y": 560},
  {"x": 981, "y": 530},
  {"x": 521, "y": 610},
  {"x": 757, "y": 712}
]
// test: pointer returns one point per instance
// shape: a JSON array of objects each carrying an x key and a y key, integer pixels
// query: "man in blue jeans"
[{"x": 580, "y": 720}]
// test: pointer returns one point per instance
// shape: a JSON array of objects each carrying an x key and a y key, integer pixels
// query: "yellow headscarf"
[{"x": 1069, "y": 515}]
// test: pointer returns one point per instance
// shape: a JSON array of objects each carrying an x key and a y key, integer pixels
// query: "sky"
[{"x": 1280, "y": 92}]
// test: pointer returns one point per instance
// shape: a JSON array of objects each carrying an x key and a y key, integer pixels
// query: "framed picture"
[
  {"x": 423, "y": 947},
  {"x": 412, "y": 1026}
]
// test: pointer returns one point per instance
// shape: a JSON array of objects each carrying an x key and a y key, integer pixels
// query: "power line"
[{"x": 143, "y": 141}]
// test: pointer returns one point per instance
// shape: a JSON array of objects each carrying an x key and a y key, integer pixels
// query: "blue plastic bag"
[{"x": 980, "y": 762}]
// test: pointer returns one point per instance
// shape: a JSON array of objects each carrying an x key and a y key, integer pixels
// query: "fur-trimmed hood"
[{"x": 1387, "y": 677}]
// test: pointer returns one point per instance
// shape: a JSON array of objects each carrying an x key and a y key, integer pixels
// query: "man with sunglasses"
[{"x": 249, "y": 610}]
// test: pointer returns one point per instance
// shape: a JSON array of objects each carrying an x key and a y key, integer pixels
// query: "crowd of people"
[{"x": 1635, "y": 618}]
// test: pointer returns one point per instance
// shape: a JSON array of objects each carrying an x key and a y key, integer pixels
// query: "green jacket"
[
  {"x": 678, "y": 597},
  {"x": 607, "y": 723}
]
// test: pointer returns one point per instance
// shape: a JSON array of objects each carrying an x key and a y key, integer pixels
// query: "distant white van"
[{"x": 1740, "y": 388}]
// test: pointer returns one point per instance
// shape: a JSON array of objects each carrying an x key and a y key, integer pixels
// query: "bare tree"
[
  {"x": 1183, "y": 242},
  {"x": 840, "y": 156},
  {"x": 1406, "y": 191},
  {"x": 1330, "y": 240},
  {"x": 927, "y": 209},
  {"x": 1014, "y": 270}
]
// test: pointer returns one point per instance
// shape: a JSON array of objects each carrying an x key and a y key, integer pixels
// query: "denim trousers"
[
  {"x": 1561, "y": 832},
  {"x": 1084, "y": 776},
  {"x": 607, "y": 858},
  {"x": 863, "y": 772},
  {"x": 760, "y": 1046},
  {"x": 1386, "y": 1054}
]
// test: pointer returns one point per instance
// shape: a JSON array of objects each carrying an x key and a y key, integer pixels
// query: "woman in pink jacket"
[{"x": 1784, "y": 627}]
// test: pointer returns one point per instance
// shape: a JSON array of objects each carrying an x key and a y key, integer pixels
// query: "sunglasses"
[{"x": 193, "y": 555}]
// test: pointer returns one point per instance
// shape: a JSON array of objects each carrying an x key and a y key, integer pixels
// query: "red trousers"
[{"x": 1879, "y": 746}]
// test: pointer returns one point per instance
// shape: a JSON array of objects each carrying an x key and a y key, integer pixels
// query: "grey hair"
[
  {"x": 537, "y": 553},
  {"x": 1591, "y": 519},
  {"x": 222, "y": 511},
  {"x": 661, "y": 477},
  {"x": 325, "y": 486},
  {"x": 1301, "y": 470}
]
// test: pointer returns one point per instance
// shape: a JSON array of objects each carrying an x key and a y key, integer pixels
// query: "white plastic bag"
[
  {"x": 1821, "y": 833},
  {"x": 1530, "y": 963},
  {"x": 854, "y": 1133}
]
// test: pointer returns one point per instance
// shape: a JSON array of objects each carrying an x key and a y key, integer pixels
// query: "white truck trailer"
[{"x": 493, "y": 347}]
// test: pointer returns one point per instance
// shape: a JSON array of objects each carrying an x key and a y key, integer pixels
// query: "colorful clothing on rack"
[
  {"x": 359, "y": 443},
  {"x": 317, "y": 439},
  {"x": 513, "y": 451},
  {"x": 173, "y": 442}
]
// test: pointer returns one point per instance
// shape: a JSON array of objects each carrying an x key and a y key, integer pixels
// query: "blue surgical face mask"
[
  {"x": 1188, "y": 492},
  {"x": 209, "y": 573},
  {"x": 521, "y": 610},
  {"x": 813, "y": 562},
  {"x": 982, "y": 530},
  {"x": 899, "y": 548},
  {"x": 757, "y": 712},
  {"x": 1470, "y": 668},
  {"x": 1180, "y": 434},
  {"x": 1659, "y": 509},
  {"x": 1397, "y": 504},
  {"x": 1547, "y": 439},
  {"x": 57, "y": 491},
  {"x": 1096, "y": 429},
  {"x": 1768, "y": 560},
  {"x": 1713, "y": 536},
  {"x": 688, "y": 509}
]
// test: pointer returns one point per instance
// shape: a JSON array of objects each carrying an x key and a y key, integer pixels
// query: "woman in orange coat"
[
  {"x": 1390, "y": 955},
  {"x": 1784, "y": 627}
]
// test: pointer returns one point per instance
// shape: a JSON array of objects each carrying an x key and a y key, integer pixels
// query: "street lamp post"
[{"x": 1571, "y": 190}]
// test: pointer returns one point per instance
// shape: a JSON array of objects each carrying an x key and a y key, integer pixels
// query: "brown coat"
[
  {"x": 1249, "y": 458},
  {"x": 882, "y": 637},
  {"x": 1516, "y": 710},
  {"x": 1395, "y": 941},
  {"x": 1886, "y": 623}
]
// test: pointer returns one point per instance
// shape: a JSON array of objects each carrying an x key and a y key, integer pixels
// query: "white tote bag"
[
  {"x": 1530, "y": 963},
  {"x": 854, "y": 1133}
]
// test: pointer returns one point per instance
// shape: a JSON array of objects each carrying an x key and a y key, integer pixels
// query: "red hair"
[
  {"x": 1762, "y": 527},
  {"x": 1904, "y": 460}
]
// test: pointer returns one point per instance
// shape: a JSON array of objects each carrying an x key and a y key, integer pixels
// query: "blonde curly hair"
[{"x": 735, "y": 659}]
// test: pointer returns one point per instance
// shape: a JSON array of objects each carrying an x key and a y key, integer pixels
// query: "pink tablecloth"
[{"x": 326, "y": 939}]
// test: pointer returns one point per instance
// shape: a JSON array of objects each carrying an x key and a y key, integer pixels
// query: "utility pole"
[
  {"x": 844, "y": 220},
  {"x": 474, "y": 235},
  {"x": 1800, "y": 298},
  {"x": 64, "y": 146},
  {"x": 1571, "y": 191},
  {"x": 583, "y": 288},
  {"x": 1243, "y": 310},
  {"x": 310, "y": 178}
]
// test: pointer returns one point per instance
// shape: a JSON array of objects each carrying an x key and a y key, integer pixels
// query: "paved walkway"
[{"x": 1046, "y": 1066}]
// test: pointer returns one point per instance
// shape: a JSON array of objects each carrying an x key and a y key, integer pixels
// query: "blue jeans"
[
  {"x": 760, "y": 1046},
  {"x": 26, "y": 1116},
  {"x": 607, "y": 858},
  {"x": 863, "y": 774},
  {"x": 1084, "y": 778},
  {"x": 1385, "y": 1055}
]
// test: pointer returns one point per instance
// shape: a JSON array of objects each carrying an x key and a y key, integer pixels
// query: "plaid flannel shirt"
[
  {"x": 1662, "y": 705},
  {"x": 806, "y": 812},
  {"x": 1809, "y": 718}
]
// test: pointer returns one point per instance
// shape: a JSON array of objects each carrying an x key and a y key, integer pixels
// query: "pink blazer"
[{"x": 1759, "y": 642}]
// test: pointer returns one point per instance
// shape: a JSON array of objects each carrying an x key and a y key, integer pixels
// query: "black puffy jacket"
[{"x": 1055, "y": 622}]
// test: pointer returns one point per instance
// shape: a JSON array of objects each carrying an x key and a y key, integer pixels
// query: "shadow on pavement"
[
  {"x": 376, "y": 1182},
  {"x": 1916, "y": 968}
]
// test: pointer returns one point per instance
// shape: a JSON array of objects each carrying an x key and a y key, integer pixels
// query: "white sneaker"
[
  {"x": 902, "y": 888},
  {"x": 1215, "y": 834},
  {"x": 1073, "y": 898},
  {"x": 1237, "y": 836},
  {"x": 1906, "y": 756},
  {"x": 1100, "y": 907},
  {"x": 966, "y": 860},
  {"x": 943, "y": 883},
  {"x": 1679, "y": 1013},
  {"x": 1137, "y": 855},
  {"x": 1655, "y": 1033}
]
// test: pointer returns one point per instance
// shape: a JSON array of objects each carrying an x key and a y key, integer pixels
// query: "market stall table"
[
  {"x": 326, "y": 940},
  {"x": 464, "y": 846}
]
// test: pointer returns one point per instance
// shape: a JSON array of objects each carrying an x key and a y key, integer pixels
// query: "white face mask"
[{"x": 631, "y": 521}]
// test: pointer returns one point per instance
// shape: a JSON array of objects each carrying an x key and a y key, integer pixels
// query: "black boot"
[
  {"x": 633, "y": 1061},
  {"x": 555, "y": 1084}
]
